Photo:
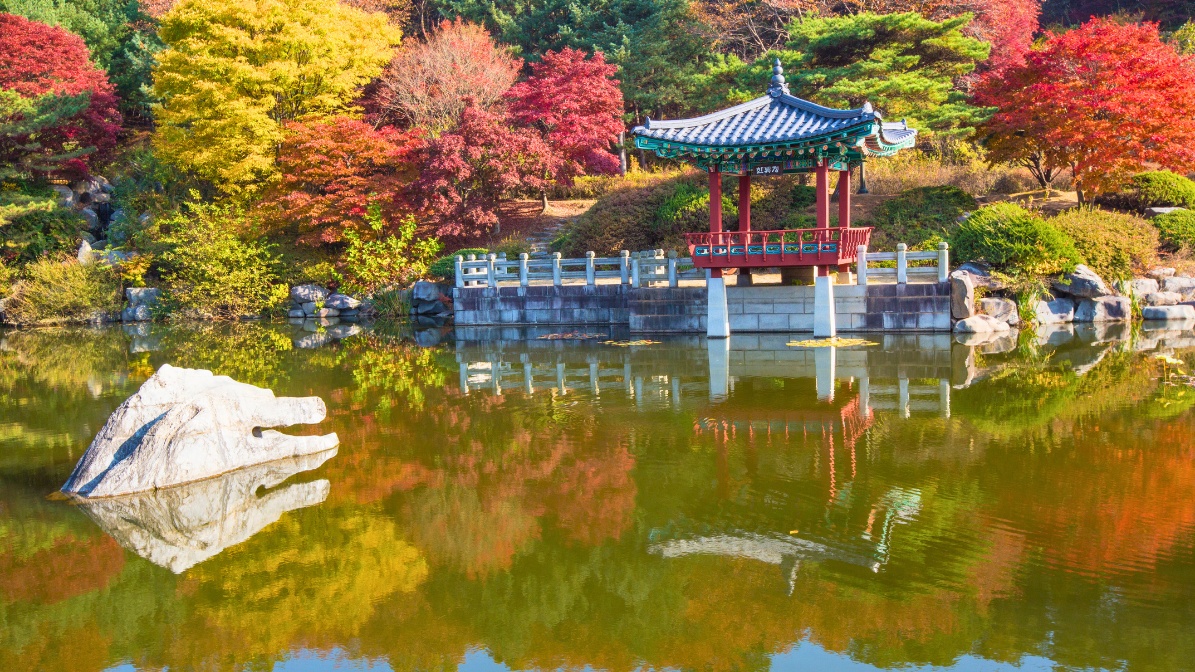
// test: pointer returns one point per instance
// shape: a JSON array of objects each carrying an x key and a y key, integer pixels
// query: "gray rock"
[
  {"x": 1168, "y": 313},
  {"x": 143, "y": 296},
  {"x": 1161, "y": 299},
  {"x": 1058, "y": 311},
  {"x": 980, "y": 324},
  {"x": 1083, "y": 283},
  {"x": 1104, "y": 309},
  {"x": 341, "y": 302},
  {"x": 295, "y": 312},
  {"x": 92, "y": 219},
  {"x": 113, "y": 257},
  {"x": 186, "y": 425},
  {"x": 309, "y": 308},
  {"x": 136, "y": 314},
  {"x": 313, "y": 340},
  {"x": 352, "y": 319},
  {"x": 1001, "y": 309},
  {"x": 1143, "y": 286},
  {"x": 962, "y": 295},
  {"x": 327, "y": 312},
  {"x": 981, "y": 276},
  {"x": 85, "y": 255},
  {"x": 66, "y": 195},
  {"x": 1055, "y": 334},
  {"x": 1179, "y": 285},
  {"x": 425, "y": 291},
  {"x": 180, "y": 527},
  {"x": 349, "y": 313},
  {"x": 1161, "y": 272},
  {"x": 1150, "y": 213},
  {"x": 997, "y": 344},
  {"x": 307, "y": 293}
]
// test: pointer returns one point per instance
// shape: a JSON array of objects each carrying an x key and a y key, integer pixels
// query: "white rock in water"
[
  {"x": 177, "y": 528},
  {"x": 186, "y": 425}
]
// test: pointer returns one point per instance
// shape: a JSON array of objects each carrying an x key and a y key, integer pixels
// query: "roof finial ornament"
[{"x": 777, "y": 87}]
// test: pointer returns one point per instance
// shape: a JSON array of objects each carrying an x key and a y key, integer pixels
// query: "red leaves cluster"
[
  {"x": 1103, "y": 100},
  {"x": 471, "y": 168},
  {"x": 37, "y": 59},
  {"x": 333, "y": 169},
  {"x": 1009, "y": 26},
  {"x": 576, "y": 102}
]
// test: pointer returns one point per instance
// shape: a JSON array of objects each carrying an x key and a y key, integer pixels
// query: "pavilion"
[{"x": 776, "y": 134}]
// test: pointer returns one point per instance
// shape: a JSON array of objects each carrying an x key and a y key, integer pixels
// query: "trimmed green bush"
[
  {"x": 210, "y": 270},
  {"x": 1014, "y": 241},
  {"x": 1114, "y": 244},
  {"x": 921, "y": 218},
  {"x": 444, "y": 268},
  {"x": 56, "y": 291},
  {"x": 1162, "y": 188},
  {"x": 1176, "y": 229},
  {"x": 687, "y": 209}
]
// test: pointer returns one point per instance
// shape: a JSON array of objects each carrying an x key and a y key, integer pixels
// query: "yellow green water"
[{"x": 916, "y": 504}]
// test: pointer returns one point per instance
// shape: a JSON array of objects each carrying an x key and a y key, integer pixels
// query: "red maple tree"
[
  {"x": 1008, "y": 25},
  {"x": 1102, "y": 100},
  {"x": 334, "y": 169},
  {"x": 473, "y": 167},
  {"x": 575, "y": 101},
  {"x": 38, "y": 59}
]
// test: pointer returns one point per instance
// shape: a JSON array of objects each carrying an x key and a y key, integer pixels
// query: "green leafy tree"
[
  {"x": 233, "y": 74},
  {"x": 385, "y": 254},
  {"x": 905, "y": 65}
]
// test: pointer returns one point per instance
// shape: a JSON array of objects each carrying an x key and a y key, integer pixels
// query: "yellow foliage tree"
[{"x": 236, "y": 70}]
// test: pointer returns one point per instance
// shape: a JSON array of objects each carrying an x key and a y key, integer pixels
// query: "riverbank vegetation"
[{"x": 360, "y": 141}]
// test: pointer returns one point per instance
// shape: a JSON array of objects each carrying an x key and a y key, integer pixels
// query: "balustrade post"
[
  {"x": 624, "y": 266},
  {"x": 672, "y": 281},
  {"x": 524, "y": 278},
  {"x": 635, "y": 272},
  {"x": 556, "y": 269},
  {"x": 590, "y": 271},
  {"x": 861, "y": 271},
  {"x": 902, "y": 264},
  {"x": 490, "y": 271},
  {"x": 471, "y": 271},
  {"x": 460, "y": 271},
  {"x": 943, "y": 261}
]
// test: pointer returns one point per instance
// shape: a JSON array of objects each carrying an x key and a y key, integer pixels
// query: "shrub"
[
  {"x": 444, "y": 268},
  {"x": 920, "y": 218},
  {"x": 1155, "y": 189},
  {"x": 209, "y": 269},
  {"x": 376, "y": 259},
  {"x": 1014, "y": 241},
  {"x": 1176, "y": 229},
  {"x": 63, "y": 290},
  {"x": 687, "y": 209},
  {"x": 1114, "y": 244},
  {"x": 41, "y": 231}
]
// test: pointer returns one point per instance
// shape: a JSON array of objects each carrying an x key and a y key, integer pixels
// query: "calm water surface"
[{"x": 547, "y": 504}]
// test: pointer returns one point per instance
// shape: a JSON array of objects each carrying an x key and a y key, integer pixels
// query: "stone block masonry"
[{"x": 758, "y": 309}]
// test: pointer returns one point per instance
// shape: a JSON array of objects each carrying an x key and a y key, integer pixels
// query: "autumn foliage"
[
  {"x": 577, "y": 104},
  {"x": 471, "y": 168},
  {"x": 37, "y": 59},
  {"x": 333, "y": 169},
  {"x": 1103, "y": 100}
]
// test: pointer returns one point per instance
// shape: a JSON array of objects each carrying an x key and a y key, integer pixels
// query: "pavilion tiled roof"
[{"x": 776, "y": 118}]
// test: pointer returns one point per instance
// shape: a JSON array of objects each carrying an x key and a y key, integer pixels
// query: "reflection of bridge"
[{"x": 915, "y": 371}]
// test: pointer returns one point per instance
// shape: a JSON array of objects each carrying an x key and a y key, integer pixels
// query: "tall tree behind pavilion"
[
  {"x": 1102, "y": 100},
  {"x": 427, "y": 83},
  {"x": 577, "y": 105}
]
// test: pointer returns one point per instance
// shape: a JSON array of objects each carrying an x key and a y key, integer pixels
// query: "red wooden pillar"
[
  {"x": 823, "y": 203},
  {"x": 715, "y": 214},
  {"x": 844, "y": 208},
  {"x": 744, "y": 203}
]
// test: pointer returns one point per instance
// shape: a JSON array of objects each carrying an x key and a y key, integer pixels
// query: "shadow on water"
[{"x": 546, "y": 499}]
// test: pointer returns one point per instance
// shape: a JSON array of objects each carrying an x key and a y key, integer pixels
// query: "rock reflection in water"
[{"x": 179, "y": 527}]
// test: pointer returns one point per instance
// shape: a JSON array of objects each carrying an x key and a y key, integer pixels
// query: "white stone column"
[
  {"x": 823, "y": 308},
  {"x": 717, "y": 322}
]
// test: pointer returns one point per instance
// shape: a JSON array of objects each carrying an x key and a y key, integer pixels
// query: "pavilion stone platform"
[{"x": 753, "y": 309}]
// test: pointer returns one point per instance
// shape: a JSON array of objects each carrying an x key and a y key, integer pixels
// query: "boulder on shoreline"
[
  {"x": 1082, "y": 283},
  {"x": 185, "y": 425},
  {"x": 1104, "y": 309}
]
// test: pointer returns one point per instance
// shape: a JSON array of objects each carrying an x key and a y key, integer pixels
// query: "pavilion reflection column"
[
  {"x": 717, "y": 321},
  {"x": 824, "y": 364},
  {"x": 719, "y": 359}
]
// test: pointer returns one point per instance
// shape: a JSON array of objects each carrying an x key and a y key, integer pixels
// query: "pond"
[{"x": 537, "y": 503}]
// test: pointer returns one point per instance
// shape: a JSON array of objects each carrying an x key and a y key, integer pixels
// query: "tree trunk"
[{"x": 544, "y": 194}]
